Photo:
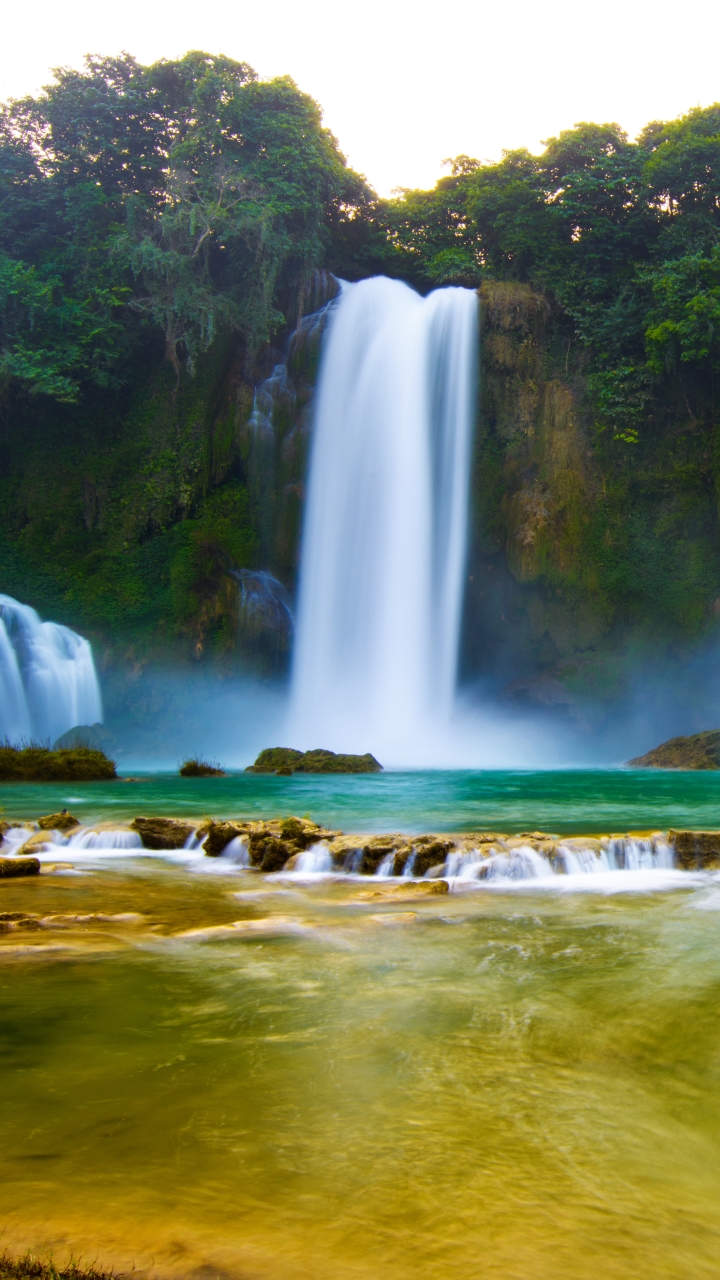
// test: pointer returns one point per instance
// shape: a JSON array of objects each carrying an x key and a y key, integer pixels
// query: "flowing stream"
[
  {"x": 48, "y": 682},
  {"x": 225, "y": 1076},
  {"x": 384, "y": 544}
]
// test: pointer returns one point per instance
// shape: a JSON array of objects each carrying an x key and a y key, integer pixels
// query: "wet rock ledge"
[{"x": 293, "y": 843}]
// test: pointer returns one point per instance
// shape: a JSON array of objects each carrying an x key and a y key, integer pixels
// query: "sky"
[{"x": 405, "y": 85}]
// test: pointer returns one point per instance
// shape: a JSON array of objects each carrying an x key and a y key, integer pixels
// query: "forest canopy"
[
  {"x": 186, "y": 196},
  {"x": 162, "y": 230}
]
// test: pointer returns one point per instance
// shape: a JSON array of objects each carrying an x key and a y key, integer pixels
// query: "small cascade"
[
  {"x": 48, "y": 682},
  {"x": 317, "y": 860},
  {"x": 384, "y": 541},
  {"x": 88, "y": 839},
  {"x": 237, "y": 851}
]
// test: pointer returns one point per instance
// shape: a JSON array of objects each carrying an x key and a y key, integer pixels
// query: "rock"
[
  {"x": 406, "y": 892},
  {"x": 38, "y": 840},
  {"x": 11, "y": 867},
  {"x": 301, "y": 831},
  {"x": 285, "y": 772},
  {"x": 700, "y": 751},
  {"x": 429, "y": 852},
  {"x": 218, "y": 836},
  {"x": 162, "y": 833},
  {"x": 696, "y": 850},
  {"x": 197, "y": 768},
  {"x": 317, "y": 761},
  {"x": 63, "y": 821},
  {"x": 275, "y": 855}
]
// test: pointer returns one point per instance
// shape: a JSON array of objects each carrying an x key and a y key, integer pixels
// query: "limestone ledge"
[{"x": 277, "y": 844}]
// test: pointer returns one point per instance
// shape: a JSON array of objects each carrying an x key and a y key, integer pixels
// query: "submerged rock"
[
  {"x": 411, "y": 890},
  {"x": 162, "y": 833},
  {"x": 12, "y": 867},
  {"x": 273, "y": 759},
  {"x": 696, "y": 850},
  {"x": 699, "y": 751}
]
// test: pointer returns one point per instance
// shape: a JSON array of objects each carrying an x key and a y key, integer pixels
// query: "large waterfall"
[
  {"x": 48, "y": 682},
  {"x": 384, "y": 543}
]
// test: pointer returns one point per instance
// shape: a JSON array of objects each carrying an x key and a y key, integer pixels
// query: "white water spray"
[
  {"x": 48, "y": 682},
  {"x": 385, "y": 537}
]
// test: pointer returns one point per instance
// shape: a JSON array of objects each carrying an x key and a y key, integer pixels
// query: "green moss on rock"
[
  {"x": 699, "y": 751},
  {"x": 274, "y": 759},
  {"x": 40, "y": 764}
]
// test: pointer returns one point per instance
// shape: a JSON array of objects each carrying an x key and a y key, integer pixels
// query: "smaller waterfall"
[{"x": 48, "y": 682}]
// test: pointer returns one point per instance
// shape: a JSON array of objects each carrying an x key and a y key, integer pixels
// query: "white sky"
[{"x": 404, "y": 85}]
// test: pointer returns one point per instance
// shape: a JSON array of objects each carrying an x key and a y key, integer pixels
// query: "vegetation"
[
  {"x": 40, "y": 764},
  {"x": 700, "y": 751},
  {"x": 162, "y": 228},
  {"x": 196, "y": 767},
  {"x": 288, "y": 760},
  {"x": 31, "y": 1268}
]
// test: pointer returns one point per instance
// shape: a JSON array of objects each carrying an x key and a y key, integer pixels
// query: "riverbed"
[{"x": 515, "y": 1082}]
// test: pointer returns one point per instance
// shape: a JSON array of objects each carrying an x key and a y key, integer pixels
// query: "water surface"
[
  {"x": 486, "y": 1084},
  {"x": 594, "y": 800}
]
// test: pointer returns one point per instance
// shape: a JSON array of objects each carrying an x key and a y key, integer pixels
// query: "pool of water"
[
  {"x": 588, "y": 801},
  {"x": 521, "y": 1085}
]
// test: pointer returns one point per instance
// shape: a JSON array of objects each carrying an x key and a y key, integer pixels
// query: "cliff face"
[
  {"x": 132, "y": 518},
  {"x": 590, "y": 552}
]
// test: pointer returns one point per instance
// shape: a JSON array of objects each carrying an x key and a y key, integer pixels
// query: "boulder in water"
[
  {"x": 197, "y": 768},
  {"x": 699, "y": 751},
  {"x": 217, "y": 836},
  {"x": 696, "y": 850},
  {"x": 162, "y": 833},
  {"x": 13, "y": 867},
  {"x": 63, "y": 821},
  {"x": 317, "y": 761}
]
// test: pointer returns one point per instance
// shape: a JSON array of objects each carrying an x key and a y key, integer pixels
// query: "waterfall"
[
  {"x": 48, "y": 682},
  {"x": 384, "y": 541}
]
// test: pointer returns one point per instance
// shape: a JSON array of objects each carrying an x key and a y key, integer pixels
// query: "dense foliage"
[
  {"x": 162, "y": 228},
  {"x": 623, "y": 236},
  {"x": 186, "y": 193}
]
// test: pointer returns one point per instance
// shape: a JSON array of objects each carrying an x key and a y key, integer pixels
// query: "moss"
[
  {"x": 700, "y": 751},
  {"x": 40, "y": 764},
  {"x": 318, "y": 761}
]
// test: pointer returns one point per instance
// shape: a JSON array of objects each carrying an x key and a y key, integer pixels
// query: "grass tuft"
[
  {"x": 196, "y": 767},
  {"x": 30, "y": 1267}
]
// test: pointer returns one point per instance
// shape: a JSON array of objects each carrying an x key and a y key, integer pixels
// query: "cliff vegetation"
[{"x": 167, "y": 234}]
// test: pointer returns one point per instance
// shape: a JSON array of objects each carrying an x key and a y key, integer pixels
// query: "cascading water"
[
  {"x": 384, "y": 544},
  {"x": 48, "y": 682}
]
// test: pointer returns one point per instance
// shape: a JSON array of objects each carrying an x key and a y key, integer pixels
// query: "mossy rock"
[
  {"x": 696, "y": 850},
  {"x": 699, "y": 751},
  {"x": 11, "y": 868},
  {"x": 273, "y": 759},
  {"x": 431, "y": 853},
  {"x": 40, "y": 764},
  {"x": 218, "y": 836},
  {"x": 196, "y": 768},
  {"x": 58, "y": 822},
  {"x": 162, "y": 833}
]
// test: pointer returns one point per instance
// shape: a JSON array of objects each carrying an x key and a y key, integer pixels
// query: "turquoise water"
[{"x": 583, "y": 801}]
